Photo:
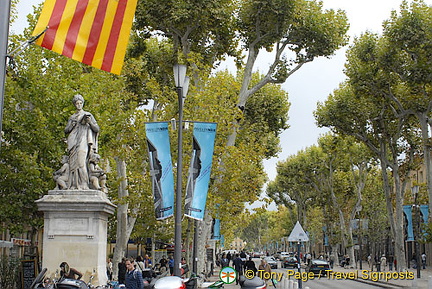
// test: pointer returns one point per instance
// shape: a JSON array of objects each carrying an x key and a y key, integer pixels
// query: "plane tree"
[
  {"x": 390, "y": 76},
  {"x": 406, "y": 60},
  {"x": 294, "y": 32},
  {"x": 344, "y": 172},
  {"x": 372, "y": 122}
]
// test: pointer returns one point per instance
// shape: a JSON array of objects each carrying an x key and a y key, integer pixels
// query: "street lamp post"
[
  {"x": 182, "y": 85},
  {"x": 4, "y": 34},
  {"x": 360, "y": 243},
  {"x": 299, "y": 263},
  {"x": 415, "y": 190}
]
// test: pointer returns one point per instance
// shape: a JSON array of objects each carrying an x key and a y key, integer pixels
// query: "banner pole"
[{"x": 4, "y": 35}]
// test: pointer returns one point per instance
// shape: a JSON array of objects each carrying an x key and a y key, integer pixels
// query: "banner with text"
[
  {"x": 199, "y": 170},
  {"x": 161, "y": 170}
]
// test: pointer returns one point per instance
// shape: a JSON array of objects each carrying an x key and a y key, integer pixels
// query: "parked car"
[
  {"x": 272, "y": 262},
  {"x": 318, "y": 267},
  {"x": 257, "y": 254},
  {"x": 290, "y": 262},
  {"x": 284, "y": 255}
]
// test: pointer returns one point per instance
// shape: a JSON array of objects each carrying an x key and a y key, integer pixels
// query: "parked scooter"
[
  {"x": 213, "y": 285},
  {"x": 174, "y": 282},
  {"x": 62, "y": 283},
  {"x": 38, "y": 281},
  {"x": 253, "y": 283},
  {"x": 150, "y": 277}
]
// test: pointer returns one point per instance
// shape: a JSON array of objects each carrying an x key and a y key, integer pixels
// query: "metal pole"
[
  {"x": 178, "y": 206},
  {"x": 195, "y": 248},
  {"x": 4, "y": 35},
  {"x": 299, "y": 264},
  {"x": 417, "y": 247},
  {"x": 361, "y": 245}
]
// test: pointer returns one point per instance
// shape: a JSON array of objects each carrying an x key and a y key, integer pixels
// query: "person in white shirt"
[{"x": 423, "y": 258}]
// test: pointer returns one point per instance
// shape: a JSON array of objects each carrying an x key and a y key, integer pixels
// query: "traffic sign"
[{"x": 298, "y": 234}]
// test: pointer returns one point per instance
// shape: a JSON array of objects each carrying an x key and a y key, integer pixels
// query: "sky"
[
  {"x": 316, "y": 80},
  {"x": 313, "y": 82}
]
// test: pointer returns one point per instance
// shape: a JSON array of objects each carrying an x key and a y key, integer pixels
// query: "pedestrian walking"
[
  {"x": 224, "y": 261},
  {"x": 369, "y": 259},
  {"x": 229, "y": 257},
  {"x": 184, "y": 266},
  {"x": 414, "y": 261},
  {"x": 109, "y": 268},
  {"x": 171, "y": 264},
  {"x": 122, "y": 271},
  {"x": 147, "y": 261},
  {"x": 134, "y": 279},
  {"x": 308, "y": 258},
  {"x": 238, "y": 266},
  {"x": 139, "y": 264},
  {"x": 390, "y": 261},
  {"x": 383, "y": 262},
  {"x": 265, "y": 271},
  {"x": 243, "y": 257},
  {"x": 163, "y": 263},
  {"x": 423, "y": 258},
  {"x": 250, "y": 266}
]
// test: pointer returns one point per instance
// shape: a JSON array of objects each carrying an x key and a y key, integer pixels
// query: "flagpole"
[{"x": 4, "y": 35}]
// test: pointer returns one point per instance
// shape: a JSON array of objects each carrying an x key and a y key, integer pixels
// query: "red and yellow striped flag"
[{"x": 94, "y": 32}]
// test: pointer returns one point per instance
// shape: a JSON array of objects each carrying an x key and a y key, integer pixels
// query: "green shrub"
[{"x": 9, "y": 272}]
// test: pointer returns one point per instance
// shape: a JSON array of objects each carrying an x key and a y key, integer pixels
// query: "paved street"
[{"x": 353, "y": 279}]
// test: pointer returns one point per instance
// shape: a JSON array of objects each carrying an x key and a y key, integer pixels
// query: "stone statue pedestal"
[{"x": 75, "y": 231}]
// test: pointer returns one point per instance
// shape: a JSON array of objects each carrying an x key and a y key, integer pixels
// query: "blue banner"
[
  {"x": 424, "y": 209},
  {"x": 216, "y": 229},
  {"x": 161, "y": 170},
  {"x": 407, "y": 209},
  {"x": 199, "y": 171}
]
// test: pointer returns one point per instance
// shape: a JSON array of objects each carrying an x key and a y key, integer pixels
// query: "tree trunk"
[
  {"x": 399, "y": 224},
  {"x": 350, "y": 248},
  {"x": 423, "y": 119},
  {"x": 204, "y": 233},
  {"x": 124, "y": 223},
  {"x": 395, "y": 219},
  {"x": 189, "y": 232}
]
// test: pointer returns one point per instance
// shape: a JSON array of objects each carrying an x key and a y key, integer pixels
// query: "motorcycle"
[{"x": 63, "y": 283}]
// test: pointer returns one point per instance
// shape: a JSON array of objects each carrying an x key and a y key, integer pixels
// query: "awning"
[{"x": 5, "y": 244}]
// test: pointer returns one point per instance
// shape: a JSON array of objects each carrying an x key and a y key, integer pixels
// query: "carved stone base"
[{"x": 75, "y": 231}]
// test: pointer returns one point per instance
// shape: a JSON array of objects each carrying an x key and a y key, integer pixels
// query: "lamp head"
[
  {"x": 415, "y": 190},
  {"x": 179, "y": 74}
]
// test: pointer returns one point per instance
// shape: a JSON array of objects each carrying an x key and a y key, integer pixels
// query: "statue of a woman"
[{"x": 82, "y": 140}]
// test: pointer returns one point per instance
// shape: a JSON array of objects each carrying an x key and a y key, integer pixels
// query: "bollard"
[
  {"x": 414, "y": 284},
  {"x": 290, "y": 284},
  {"x": 430, "y": 282}
]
